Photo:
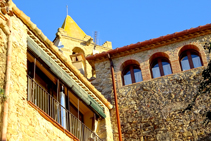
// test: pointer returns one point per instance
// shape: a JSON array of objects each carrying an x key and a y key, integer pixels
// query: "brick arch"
[
  {"x": 158, "y": 54},
  {"x": 123, "y": 60},
  {"x": 129, "y": 62},
  {"x": 196, "y": 48},
  {"x": 187, "y": 47}
]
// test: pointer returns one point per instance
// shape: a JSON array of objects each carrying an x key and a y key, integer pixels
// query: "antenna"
[
  {"x": 95, "y": 37},
  {"x": 95, "y": 40},
  {"x": 67, "y": 9}
]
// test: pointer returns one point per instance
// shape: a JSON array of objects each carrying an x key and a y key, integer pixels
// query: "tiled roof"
[{"x": 155, "y": 42}]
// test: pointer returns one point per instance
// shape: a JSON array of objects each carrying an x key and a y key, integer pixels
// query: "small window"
[
  {"x": 190, "y": 59},
  {"x": 160, "y": 67},
  {"x": 132, "y": 74}
]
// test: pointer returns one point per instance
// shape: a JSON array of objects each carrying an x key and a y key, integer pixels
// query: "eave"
[{"x": 152, "y": 43}]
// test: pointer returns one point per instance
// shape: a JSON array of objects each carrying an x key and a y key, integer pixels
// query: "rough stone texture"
[{"x": 150, "y": 110}]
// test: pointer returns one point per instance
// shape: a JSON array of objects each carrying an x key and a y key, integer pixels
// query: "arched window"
[
  {"x": 160, "y": 67},
  {"x": 132, "y": 74},
  {"x": 190, "y": 59}
]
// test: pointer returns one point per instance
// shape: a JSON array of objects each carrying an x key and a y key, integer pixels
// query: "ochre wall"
[
  {"x": 71, "y": 43},
  {"x": 3, "y": 53},
  {"x": 150, "y": 109},
  {"x": 24, "y": 122}
]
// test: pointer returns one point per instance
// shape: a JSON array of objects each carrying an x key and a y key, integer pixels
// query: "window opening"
[
  {"x": 132, "y": 74},
  {"x": 190, "y": 59},
  {"x": 160, "y": 67}
]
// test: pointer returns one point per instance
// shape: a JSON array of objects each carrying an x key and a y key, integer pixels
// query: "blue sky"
[{"x": 119, "y": 21}]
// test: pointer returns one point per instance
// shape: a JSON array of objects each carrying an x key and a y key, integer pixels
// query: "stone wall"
[
  {"x": 103, "y": 81},
  {"x": 150, "y": 110}
]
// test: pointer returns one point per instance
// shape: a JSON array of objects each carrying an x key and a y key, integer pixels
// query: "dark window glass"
[
  {"x": 160, "y": 67},
  {"x": 156, "y": 71},
  {"x": 132, "y": 74},
  {"x": 138, "y": 75},
  {"x": 127, "y": 78},
  {"x": 166, "y": 68},
  {"x": 185, "y": 63},
  {"x": 196, "y": 61},
  {"x": 190, "y": 59}
]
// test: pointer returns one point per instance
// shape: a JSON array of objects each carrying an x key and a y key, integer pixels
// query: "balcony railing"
[{"x": 54, "y": 108}]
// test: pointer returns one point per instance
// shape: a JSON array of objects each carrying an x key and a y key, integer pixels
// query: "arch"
[
  {"x": 120, "y": 63},
  {"x": 76, "y": 50},
  {"x": 160, "y": 65},
  {"x": 190, "y": 57},
  {"x": 189, "y": 47},
  {"x": 157, "y": 55},
  {"x": 129, "y": 62},
  {"x": 131, "y": 72},
  {"x": 77, "y": 54}
]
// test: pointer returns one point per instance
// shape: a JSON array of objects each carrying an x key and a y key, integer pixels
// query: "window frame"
[
  {"x": 159, "y": 62},
  {"x": 131, "y": 68},
  {"x": 188, "y": 54}
]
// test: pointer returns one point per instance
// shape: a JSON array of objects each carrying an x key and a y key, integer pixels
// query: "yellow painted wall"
[
  {"x": 24, "y": 122},
  {"x": 71, "y": 43},
  {"x": 88, "y": 119}
]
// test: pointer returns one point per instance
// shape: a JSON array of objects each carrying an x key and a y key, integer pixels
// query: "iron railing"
[{"x": 54, "y": 108}]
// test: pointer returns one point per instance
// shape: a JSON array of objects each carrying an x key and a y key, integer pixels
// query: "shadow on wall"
[
  {"x": 206, "y": 138},
  {"x": 1, "y": 115}
]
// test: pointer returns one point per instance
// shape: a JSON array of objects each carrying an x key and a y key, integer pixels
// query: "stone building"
[
  {"x": 156, "y": 80},
  {"x": 67, "y": 89}
]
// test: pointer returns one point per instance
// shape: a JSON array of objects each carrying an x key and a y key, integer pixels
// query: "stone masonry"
[{"x": 151, "y": 109}]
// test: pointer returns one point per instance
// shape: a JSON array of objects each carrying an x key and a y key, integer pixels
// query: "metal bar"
[{"x": 48, "y": 104}]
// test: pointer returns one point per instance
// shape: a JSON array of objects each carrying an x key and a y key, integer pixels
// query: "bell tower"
[{"x": 75, "y": 44}]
